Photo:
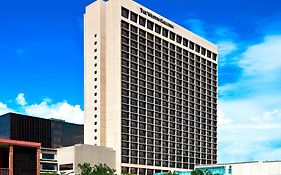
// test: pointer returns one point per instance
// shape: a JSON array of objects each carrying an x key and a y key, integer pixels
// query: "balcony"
[{"x": 4, "y": 171}]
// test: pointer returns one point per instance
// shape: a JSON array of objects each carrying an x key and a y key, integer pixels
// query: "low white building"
[
  {"x": 245, "y": 168},
  {"x": 70, "y": 157}
]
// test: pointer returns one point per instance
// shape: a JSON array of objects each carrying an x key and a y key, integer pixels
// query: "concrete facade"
[
  {"x": 48, "y": 160},
  {"x": 70, "y": 157},
  {"x": 151, "y": 95}
]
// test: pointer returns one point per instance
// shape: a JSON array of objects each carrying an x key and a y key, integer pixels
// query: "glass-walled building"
[{"x": 51, "y": 133}]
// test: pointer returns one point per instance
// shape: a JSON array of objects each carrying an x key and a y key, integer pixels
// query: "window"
[
  {"x": 125, "y": 12},
  {"x": 48, "y": 166},
  {"x": 179, "y": 38},
  {"x": 185, "y": 42},
  {"x": 191, "y": 45},
  {"x": 172, "y": 36},
  {"x": 165, "y": 32},
  {"x": 134, "y": 17},
  {"x": 48, "y": 156},
  {"x": 125, "y": 25},
  {"x": 142, "y": 21},
  {"x": 197, "y": 48},
  {"x": 150, "y": 25},
  {"x": 157, "y": 28},
  {"x": 64, "y": 167}
]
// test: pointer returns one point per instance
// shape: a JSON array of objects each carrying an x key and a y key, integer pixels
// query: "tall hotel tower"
[{"x": 150, "y": 89}]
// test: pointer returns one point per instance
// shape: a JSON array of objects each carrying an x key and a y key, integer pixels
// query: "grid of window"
[
  {"x": 169, "y": 100},
  {"x": 166, "y": 33},
  {"x": 168, "y": 103}
]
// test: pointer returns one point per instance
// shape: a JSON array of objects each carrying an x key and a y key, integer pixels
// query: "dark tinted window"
[
  {"x": 157, "y": 28},
  {"x": 142, "y": 21},
  {"x": 165, "y": 32},
  {"x": 172, "y": 36},
  {"x": 124, "y": 12},
  {"x": 150, "y": 25},
  {"x": 134, "y": 17}
]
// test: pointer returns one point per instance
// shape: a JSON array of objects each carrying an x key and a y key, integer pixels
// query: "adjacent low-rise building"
[
  {"x": 48, "y": 160},
  {"x": 19, "y": 157},
  {"x": 245, "y": 168},
  {"x": 51, "y": 133},
  {"x": 70, "y": 157}
]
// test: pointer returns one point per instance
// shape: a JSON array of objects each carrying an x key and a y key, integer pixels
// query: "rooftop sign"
[{"x": 156, "y": 18}]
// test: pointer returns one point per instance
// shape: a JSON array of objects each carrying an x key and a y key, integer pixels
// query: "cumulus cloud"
[
  {"x": 20, "y": 99},
  {"x": 4, "y": 109},
  {"x": 47, "y": 109},
  {"x": 61, "y": 110},
  {"x": 263, "y": 58},
  {"x": 251, "y": 138},
  {"x": 253, "y": 105},
  {"x": 226, "y": 48}
]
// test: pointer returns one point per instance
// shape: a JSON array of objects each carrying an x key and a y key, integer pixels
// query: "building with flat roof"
[
  {"x": 70, "y": 157},
  {"x": 150, "y": 89},
  {"x": 244, "y": 168},
  {"x": 51, "y": 133}
]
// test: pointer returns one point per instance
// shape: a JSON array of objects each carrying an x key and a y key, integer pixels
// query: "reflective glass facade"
[{"x": 50, "y": 133}]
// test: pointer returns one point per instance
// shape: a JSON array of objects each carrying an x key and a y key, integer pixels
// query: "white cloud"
[
  {"x": 61, "y": 110},
  {"x": 20, "y": 99},
  {"x": 253, "y": 106},
  {"x": 263, "y": 58},
  {"x": 4, "y": 109},
  {"x": 226, "y": 48},
  {"x": 47, "y": 109},
  {"x": 252, "y": 130}
]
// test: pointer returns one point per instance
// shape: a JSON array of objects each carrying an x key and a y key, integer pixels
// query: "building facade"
[
  {"x": 19, "y": 157},
  {"x": 244, "y": 168},
  {"x": 48, "y": 160},
  {"x": 70, "y": 157},
  {"x": 51, "y": 133},
  {"x": 150, "y": 89}
]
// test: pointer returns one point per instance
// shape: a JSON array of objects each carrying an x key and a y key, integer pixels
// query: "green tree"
[
  {"x": 197, "y": 172},
  {"x": 103, "y": 169},
  {"x": 100, "y": 169}
]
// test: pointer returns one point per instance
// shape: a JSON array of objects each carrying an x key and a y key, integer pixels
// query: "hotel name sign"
[{"x": 156, "y": 18}]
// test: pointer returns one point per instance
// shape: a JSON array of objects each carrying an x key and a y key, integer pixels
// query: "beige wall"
[{"x": 86, "y": 153}]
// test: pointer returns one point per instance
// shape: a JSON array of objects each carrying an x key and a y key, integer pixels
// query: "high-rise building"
[{"x": 150, "y": 89}]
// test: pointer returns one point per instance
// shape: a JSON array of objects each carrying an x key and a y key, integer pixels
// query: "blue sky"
[{"x": 41, "y": 54}]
